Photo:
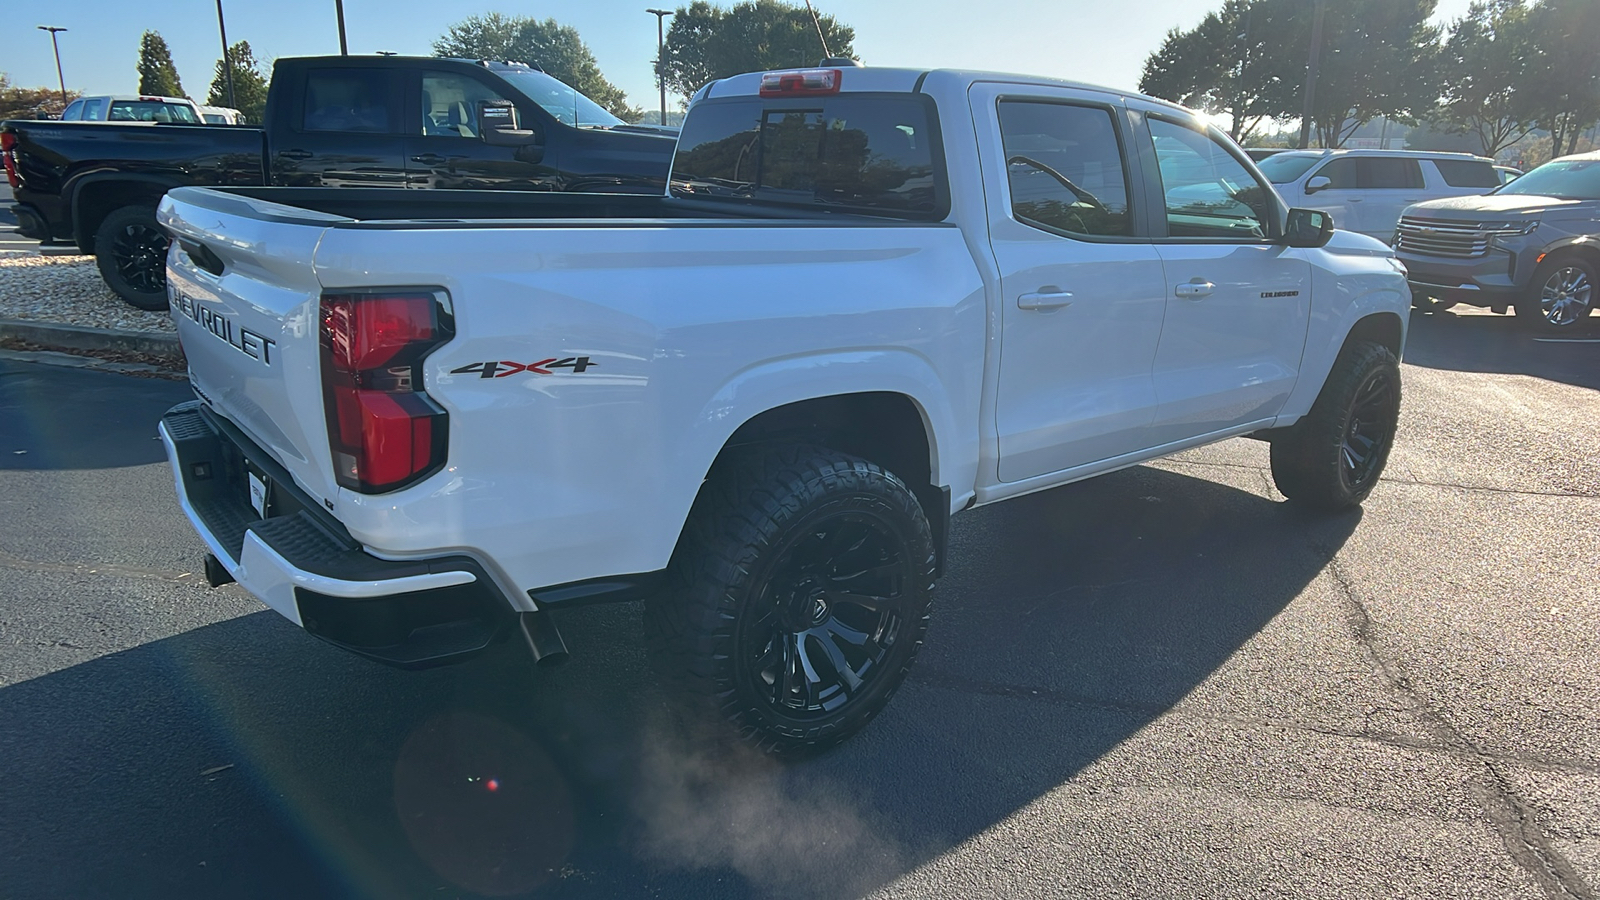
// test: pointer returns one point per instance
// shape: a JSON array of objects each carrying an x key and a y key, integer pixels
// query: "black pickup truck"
[{"x": 332, "y": 121}]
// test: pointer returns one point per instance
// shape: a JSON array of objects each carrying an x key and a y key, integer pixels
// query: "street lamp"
[
  {"x": 54, "y": 30},
  {"x": 338, "y": 9},
  {"x": 661, "y": 52},
  {"x": 227, "y": 63}
]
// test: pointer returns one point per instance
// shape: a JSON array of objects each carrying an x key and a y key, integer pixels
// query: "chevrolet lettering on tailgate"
[{"x": 241, "y": 339}]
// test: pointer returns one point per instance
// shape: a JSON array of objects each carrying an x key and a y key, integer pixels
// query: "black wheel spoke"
[
  {"x": 839, "y": 631},
  {"x": 841, "y": 666}
]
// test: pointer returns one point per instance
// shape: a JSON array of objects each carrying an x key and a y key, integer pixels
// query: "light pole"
[
  {"x": 661, "y": 52},
  {"x": 338, "y": 8},
  {"x": 54, "y": 30},
  {"x": 1311, "y": 73},
  {"x": 227, "y": 63}
]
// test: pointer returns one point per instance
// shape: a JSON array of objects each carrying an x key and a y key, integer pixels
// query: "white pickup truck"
[{"x": 869, "y": 300}]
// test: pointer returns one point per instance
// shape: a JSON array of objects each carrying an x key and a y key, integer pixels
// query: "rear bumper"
[
  {"x": 30, "y": 223},
  {"x": 304, "y": 564}
]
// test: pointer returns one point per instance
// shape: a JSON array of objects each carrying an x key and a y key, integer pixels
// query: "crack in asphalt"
[
  {"x": 10, "y": 561},
  {"x": 1513, "y": 818}
]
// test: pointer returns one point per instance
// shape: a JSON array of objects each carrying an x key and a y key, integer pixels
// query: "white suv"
[
  {"x": 133, "y": 108},
  {"x": 1366, "y": 190}
]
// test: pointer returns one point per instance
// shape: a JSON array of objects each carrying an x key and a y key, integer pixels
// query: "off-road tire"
[
  {"x": 1332, "y": 458},
  {"x": 746, "y": 567},
  {"x": 1534, "y": 315},
  {"x": 131, "y": 251}
]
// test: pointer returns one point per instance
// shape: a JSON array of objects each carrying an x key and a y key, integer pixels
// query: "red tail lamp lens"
[{"x": 385, "y": 432}]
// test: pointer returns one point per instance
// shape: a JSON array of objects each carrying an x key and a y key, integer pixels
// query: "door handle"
[
  {"x": 295, "y": 154},
  {"x": 1047, "y": 297},
  {"x": 1194, "y": 290},
  {"x": 430, "y": 159}
]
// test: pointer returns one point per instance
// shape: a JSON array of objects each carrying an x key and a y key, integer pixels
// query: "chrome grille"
[{"x": 1441, "y": 237}]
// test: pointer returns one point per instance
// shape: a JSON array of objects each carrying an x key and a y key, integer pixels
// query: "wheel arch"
[{"x": 95, "y": 197}]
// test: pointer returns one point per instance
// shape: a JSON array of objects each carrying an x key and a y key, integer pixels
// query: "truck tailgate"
[{"x": 245, "y": 298}]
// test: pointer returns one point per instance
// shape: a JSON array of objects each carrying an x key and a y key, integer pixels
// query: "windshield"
[
  {"x": 151, "y": 111},
  {"x": 1282, "y": 168},
  {"x": 566, "y": 104},
  {"x": 1572, "y": 179}
]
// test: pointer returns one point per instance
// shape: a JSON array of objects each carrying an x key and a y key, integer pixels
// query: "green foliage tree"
[
  {"x": 553, "y": 47},
  {"x": 1565, "y": 69},
  {"x": 705, "y": 42},
  {"x": 27, "y": 103},
  {"x": 249, "y": 85},
  {"x": 1240, "y": 61},
  {"x": 1249, "y": 59},
  {"x": 1484, "y": 71},
  {"x": 157, "y": 75}
]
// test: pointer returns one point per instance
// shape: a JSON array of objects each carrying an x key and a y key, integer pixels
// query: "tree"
[
  {"x": 1565, "y": 69},
  {"x": 28, "y": 103},
  {"x": 1485, "y": 75},
  {"x": 1248, "y": 59},
  {"x": 705, "y": 42},
  {"x": 157, "y": 75},
  {"x": 1241, "y": 61},
  {"x": 249, "y": 85},
  {"x": 1379, "y": 58},
  {"x": 553, "y": 47}
]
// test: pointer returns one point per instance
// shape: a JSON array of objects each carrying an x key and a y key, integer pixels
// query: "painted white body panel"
[{"x": 696, "y": 327}]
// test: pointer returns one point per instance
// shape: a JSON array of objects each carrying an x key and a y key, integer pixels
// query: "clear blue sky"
[{"x": 1098, "y": 41}]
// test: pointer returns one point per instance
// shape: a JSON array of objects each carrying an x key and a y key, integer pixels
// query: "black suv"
[{"x": 1533, "y": 244}]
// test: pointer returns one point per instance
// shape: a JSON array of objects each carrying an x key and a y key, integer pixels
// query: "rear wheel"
[
  {"x": 802, "y": 596},
  {"x": 131, "y": 250},
  {"x": 1561, "y": 295},
  {"x": 1332, "y": 458}
]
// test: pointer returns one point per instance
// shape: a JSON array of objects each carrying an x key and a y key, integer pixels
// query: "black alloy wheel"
[
  {"x": 131, "y": 251},
  {"x": 1369, "y": 430},
  {"x": 799, "y": 597},
  {"x": 141, "y": 254},
  {"x": 828, "y": 616}
]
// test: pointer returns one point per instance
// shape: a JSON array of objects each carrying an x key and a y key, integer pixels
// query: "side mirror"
[
  {"x": 1308, "y": 228},
  {"x": 497, "y": 124},
  {"x": 1318, "y": 183}
]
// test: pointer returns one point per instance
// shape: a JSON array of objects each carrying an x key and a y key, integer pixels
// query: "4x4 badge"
[{"x": 501, "y": 368}]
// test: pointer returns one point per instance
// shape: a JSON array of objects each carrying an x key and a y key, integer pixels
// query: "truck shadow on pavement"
[
  {"x": 61, "y": 418},
  {"x": 1499, "y": 345},
  {"x": 245, "y": 759}
]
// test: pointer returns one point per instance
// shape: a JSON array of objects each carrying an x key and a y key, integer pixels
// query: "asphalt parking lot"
[{"x": 1161, "y": 683}]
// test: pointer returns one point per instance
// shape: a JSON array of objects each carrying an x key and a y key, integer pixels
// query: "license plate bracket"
[{"x": 260, "y": 490}]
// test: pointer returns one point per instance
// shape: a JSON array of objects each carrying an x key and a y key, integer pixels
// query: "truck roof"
[{"x": 906, "y": 80}]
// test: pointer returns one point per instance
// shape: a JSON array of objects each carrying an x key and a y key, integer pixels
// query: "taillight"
[
  {"x": 384, "y": 430},
  {"x": 801, "y": 81},
  {"x": 8, "y": 153}
]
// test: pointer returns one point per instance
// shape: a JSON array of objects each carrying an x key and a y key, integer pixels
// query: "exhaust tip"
[
  {"x": 543, "y": 639},
  {"x": 217, "y": 574}
]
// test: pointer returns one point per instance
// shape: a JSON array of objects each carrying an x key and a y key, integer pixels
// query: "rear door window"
[
  {"x": 354, "y": 100},
  {"x": 862, "y": 152},
  {"x": 94, "y": 110},
  {"x": 1382, "y": 173},
  {"x": 1468, "y": 173},
  {"x": 1064, "y": 166}
]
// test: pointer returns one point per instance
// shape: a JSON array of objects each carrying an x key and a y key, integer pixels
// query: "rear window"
[
  {"x": 873, "y": 153},
  {"x": 151, "y": 111},
  {"x": 1468, "y": 173}
]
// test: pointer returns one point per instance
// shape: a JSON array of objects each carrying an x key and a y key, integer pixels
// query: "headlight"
[{"x": 1500, "y": 233}]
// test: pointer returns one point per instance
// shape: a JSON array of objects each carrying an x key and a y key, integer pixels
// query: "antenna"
[{"x": 818, "y": 22}]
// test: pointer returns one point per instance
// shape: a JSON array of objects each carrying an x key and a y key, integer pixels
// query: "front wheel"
[
  {"x": 1331, "y": 459},
  {"x": 131, "y": 250},
  {"x": 1561, "y": 295},
  {"x": 802, "y": 595}
]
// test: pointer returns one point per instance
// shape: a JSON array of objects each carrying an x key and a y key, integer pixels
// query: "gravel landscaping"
[{"x": 67, "y": 290}]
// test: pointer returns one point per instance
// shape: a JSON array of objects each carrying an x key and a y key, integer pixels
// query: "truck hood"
[
  {"x": 1350, "y": 243},
  {"x": 1499, "y": 204}
]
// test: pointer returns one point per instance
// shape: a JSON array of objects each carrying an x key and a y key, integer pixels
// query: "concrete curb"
[{"x": 74, "y": 337}]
